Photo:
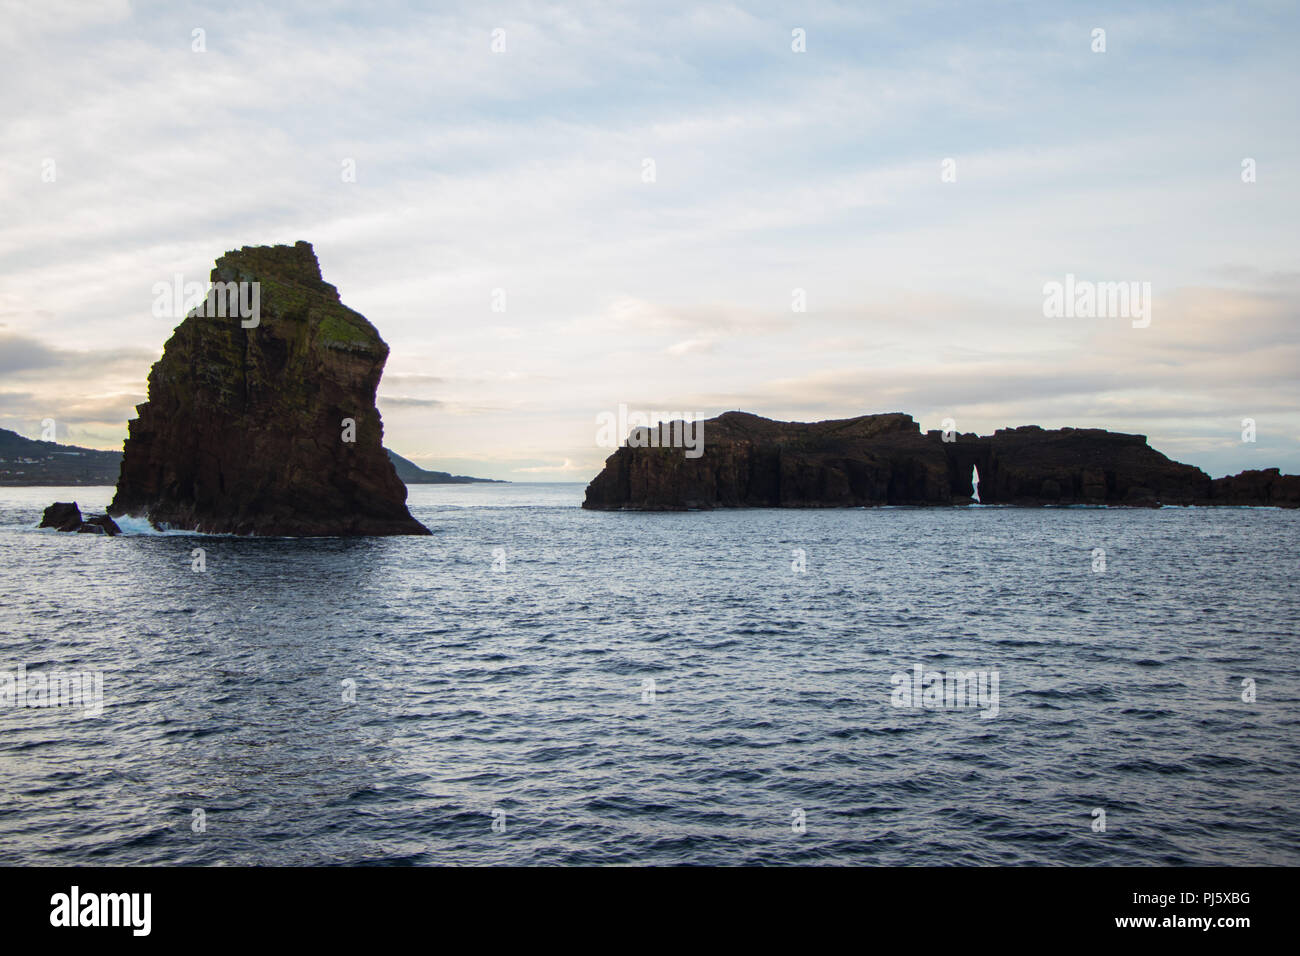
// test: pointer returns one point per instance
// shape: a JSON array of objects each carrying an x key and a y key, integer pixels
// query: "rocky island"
[
  {"x": 749, "y": 461},
  {"x": 266, "y": 425}
]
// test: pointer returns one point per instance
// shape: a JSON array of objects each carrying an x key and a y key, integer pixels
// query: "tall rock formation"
[
  {"x": 749, "y": 461},
  {"x": 246, "y": 428}
]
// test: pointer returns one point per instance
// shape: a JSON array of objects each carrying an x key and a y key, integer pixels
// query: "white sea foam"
[{"x": 141, "y": 526}]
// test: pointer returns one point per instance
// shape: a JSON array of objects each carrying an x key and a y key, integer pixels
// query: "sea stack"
[{"x": 262, "y": 421}]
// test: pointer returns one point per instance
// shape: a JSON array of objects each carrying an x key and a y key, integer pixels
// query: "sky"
[{"x": 626, "y": 204}]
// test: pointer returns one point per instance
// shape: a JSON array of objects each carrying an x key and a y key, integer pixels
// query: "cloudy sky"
[{"x": 525, "y": 171}]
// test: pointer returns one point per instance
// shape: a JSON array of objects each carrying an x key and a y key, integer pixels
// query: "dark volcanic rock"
[
  {"x": 244, "y": 429},
  {"x": 750, "y": 461},
  {"x": 1035, "y": 466},
  {"x": 104, "y": 523},
  {"x": 1267, "y": 487},
  {"x": 62, "y": 515},
  {"x": 66, "y": 516}
]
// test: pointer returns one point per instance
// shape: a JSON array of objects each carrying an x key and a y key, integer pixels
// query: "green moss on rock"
[
  {"x": 338, "y": 327},
  {"x": 243, "y": 432}
]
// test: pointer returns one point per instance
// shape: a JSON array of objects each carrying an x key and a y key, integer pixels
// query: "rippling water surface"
[{"x": 520, "y": 695}]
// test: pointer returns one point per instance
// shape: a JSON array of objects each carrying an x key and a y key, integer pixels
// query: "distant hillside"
[
  {"x": 27, "y": 462},
  {"x": 413, "y": 474}
]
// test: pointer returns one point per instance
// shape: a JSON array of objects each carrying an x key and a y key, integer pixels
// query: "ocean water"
[{"x": 536, "y": 684}]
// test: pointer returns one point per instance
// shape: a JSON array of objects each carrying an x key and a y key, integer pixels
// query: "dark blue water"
[{"x": 523, "y": 690}]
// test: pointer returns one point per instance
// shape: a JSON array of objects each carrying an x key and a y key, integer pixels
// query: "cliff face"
[
  {"x": 244, "y": 428},
  {"x": 750, "y": 461},
  {"x": 1268, "y": 487},
  {"x": 1035, "y": 466}
]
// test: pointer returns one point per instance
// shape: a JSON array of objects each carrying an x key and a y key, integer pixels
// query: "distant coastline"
[
  {"x": 27, "y": 462},
  {"x": 413, "y": 474}
]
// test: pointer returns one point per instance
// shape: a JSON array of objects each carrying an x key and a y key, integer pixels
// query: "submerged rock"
[
  {"x": 66, "y": 516},
  {"x": 749, "y": 461},
  {"x": 266, "y": 425},
  {"x": 106, "y": 525},
  {"x": 62, "y": 516}
]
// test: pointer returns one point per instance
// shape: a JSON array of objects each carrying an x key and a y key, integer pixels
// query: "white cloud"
[{"x": 776, "y": 171}]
